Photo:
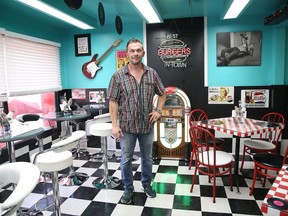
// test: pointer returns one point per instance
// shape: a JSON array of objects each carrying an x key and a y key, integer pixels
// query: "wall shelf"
[{"x": 278, "y": 17}]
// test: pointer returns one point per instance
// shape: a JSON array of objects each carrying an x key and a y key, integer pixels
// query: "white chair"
[
  {"x": 25, "y": 176},
  {"x": 104, "y": 130},
  {"x": 55, "y": 159}
]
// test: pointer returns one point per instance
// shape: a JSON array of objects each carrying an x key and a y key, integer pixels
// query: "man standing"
[{"x": 131, "y": 91}]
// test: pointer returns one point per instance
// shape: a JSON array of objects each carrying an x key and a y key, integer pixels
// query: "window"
[
  {"x": 38, "y": 103},
  {"x": 29, "y": 73},
  {"x": 32, "y": 67}
]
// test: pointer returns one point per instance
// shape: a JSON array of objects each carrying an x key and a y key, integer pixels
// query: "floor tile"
[{"x": 172, "y": 181}]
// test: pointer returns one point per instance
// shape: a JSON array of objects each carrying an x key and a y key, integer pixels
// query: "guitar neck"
[{"x": 104, "y": 54}]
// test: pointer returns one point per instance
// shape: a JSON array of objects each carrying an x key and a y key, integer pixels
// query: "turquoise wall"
[
  {"x": 101, "y": 39},
  {"x": 272, "y": 71},
  {"x": 274, "y": 51}
]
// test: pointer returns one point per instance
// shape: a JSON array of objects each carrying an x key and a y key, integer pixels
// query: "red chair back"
[
  {"x": 196, "y": 115},
  {"x": 202, "y": 141},
  {"x": 273, "y": 136}
]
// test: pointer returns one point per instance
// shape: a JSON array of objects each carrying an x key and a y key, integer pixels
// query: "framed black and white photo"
[
  {"x": 82, "y": 45},
  {"x": 239, "y": 48}
]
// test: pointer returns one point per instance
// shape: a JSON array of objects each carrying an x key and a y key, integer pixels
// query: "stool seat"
[
  {"x": 101, "y": 129},
  {"x": 53, "y": 161},
  {"x": 103, "y": 118}
]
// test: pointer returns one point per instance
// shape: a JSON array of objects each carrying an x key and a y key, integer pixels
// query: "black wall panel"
[{"x": 191, "y": 77}]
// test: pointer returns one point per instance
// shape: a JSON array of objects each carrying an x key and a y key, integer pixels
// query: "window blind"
[
  {"x": 3, "y": 88},
  {"x": 32, "y": 67}
]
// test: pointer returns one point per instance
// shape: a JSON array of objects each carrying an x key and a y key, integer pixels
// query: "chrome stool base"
[
  {"x": 98, "y": 157},
  {"x": 78, "y": 152},
  {"x": 45, "y": 203},
  {"x": 76, "y": 178},
  {"x": 107, "y": 183},
  {"x": 45, "y": 177}
]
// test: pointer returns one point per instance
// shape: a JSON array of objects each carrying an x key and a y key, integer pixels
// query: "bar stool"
[
  {"x": 48, "y": 131},
  {"x": 55, "y": 159},
  {"x": 101, "y": 118},
  {"x": 74, "y": 178},
  {"x": 104, "y": 130},
  {"x": 78, "y": 151}
]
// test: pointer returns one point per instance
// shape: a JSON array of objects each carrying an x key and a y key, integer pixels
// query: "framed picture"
[
  {"x": 255, "y": 98},
  {"x": 221, "y": 95},
  {"x": 79, "y": 94},
  {"x": 121, "y": 59},
  {"x": 98, "y": 96},
  {"x": 82, "y": 45},
  {"x": 239, "y": 48}
]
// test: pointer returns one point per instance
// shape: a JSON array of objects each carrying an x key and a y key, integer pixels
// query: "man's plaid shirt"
[{"x": 135, "y": 100}]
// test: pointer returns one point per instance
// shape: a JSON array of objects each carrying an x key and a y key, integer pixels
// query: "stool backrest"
[
  {"x": 25, "y": 175},
  {"x": 27, "y": 117},
  {"x": 70, "y": 142}
]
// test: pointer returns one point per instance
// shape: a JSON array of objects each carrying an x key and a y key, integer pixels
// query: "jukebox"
[{"x": 171, "y": 137}]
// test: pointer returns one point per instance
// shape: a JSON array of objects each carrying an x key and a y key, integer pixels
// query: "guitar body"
[{"x": 90, "y": 68}]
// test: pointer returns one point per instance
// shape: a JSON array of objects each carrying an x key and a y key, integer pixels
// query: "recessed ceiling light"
[
  {"x": 147, "y": 10},
  {"x": 45, "y": 8},
  {"x": 236, "y": 8}
]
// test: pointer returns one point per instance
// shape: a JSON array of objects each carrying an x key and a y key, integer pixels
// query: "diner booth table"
[
  {"x": 239, "y": 128},
  {"x": 276, "y": 200}
]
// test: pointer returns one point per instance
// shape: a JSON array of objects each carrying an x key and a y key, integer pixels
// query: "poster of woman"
[{"x": 221, "y": 95}]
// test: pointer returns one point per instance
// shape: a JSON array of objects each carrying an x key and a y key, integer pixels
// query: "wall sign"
[
  {"x": 255, "y": 98},
  {"x": 221, "y": 95},
  {"x": 82, "y": 45},
  {"x": 121, "y": 59},
  {"x": 174, "y": 52}
]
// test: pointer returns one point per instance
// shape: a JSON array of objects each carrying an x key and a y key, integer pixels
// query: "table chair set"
[{"x": 263, "y": 150}]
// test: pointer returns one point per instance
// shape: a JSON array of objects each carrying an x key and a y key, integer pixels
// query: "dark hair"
[{"x": 133, "y": 40}]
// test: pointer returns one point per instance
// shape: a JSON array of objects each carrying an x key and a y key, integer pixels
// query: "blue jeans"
[{"x": 127, "y": 143}]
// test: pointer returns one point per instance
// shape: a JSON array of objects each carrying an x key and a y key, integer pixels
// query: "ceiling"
[{"x": 168, "y": 9}]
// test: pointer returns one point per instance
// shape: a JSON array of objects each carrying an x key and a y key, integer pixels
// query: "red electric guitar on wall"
[{"x": 90, "y": 68}]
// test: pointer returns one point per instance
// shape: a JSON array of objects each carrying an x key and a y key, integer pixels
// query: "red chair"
[
  {"x": 195, "y": 116},
  {"x": 268, "y": 142},
  {"x": 264, "y": 162},
  {"x": 209, "y": 160}
]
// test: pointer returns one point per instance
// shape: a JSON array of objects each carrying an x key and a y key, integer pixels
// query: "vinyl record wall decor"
[
  {"x": 101, "y": 14},
  {"x": 73, "y": 4},
  {"x": 118, "y": 25}
]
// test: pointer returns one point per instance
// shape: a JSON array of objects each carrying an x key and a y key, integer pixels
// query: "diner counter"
[{"x": 276, "y": 200}]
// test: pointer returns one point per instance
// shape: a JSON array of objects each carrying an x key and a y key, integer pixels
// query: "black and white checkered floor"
[{"x": 172, "y": 181}]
